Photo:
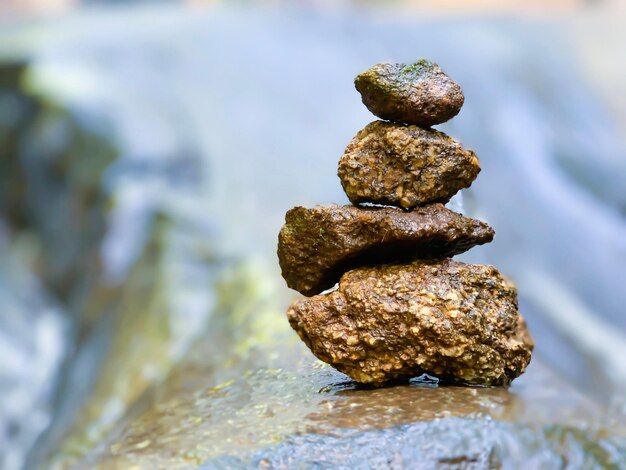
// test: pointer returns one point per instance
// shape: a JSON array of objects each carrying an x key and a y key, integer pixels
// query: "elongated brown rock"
[
  {"x": 419, "y": 93},
  {"x": 453, "y": 320},
  {"x": 405, "y": 166},
  {"x": 316, "y": 246}
]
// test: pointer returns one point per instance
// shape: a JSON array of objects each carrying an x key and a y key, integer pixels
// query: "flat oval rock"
[
  {"x": 316, "y": 246},
  {"x": 456, "y": 321},
  {"x": 405, "y": 165},
  {"x": 419, "y": 93}
]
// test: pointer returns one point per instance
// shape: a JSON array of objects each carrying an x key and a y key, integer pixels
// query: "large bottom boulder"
[{"x": 456, "y": 321}]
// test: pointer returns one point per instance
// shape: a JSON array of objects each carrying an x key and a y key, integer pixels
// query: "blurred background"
[{"x": 149, "y": 151}]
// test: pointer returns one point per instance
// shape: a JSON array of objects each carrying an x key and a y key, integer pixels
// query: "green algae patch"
[{"x": 417, "y": 68}]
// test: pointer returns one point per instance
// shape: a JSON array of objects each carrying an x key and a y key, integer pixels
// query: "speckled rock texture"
[
  {"x": 419, "y": 93},
  {"x": 453, "y": 320},
  {"x": 405, "y": 166},
  {"x": 316, "y": 246}
]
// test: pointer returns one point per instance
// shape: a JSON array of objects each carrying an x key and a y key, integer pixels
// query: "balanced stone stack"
[{"x": 402, "y": 307}]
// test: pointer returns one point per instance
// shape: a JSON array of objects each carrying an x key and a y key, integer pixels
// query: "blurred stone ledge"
[{"x": 249, "y": 395}]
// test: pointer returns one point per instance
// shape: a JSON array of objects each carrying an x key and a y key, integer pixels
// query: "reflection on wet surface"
[
  {"x": 387, "y": 407},
  {"x": 267, "y": 406}
]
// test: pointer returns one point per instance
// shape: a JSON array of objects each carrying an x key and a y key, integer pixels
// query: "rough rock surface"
[
  {"x": 453, "y": 320},
  {"x": 419, "y": 93},
  {"x": 316, "y": 246},
  {"x": 405, "y": 166}
]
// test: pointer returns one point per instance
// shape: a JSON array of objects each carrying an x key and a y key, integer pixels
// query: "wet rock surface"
[
  {"x": 453, "y": 320},
  {"x": 405, "y": 166},
  {"x": 311, "y": 418},
  {"x": 316, "y": 246},
  {"x": 249, "y": 395},
  {"x": 464, "y": 444},
  {"x": 419, "y": 93},
  {"x": 237, "y": 403}
]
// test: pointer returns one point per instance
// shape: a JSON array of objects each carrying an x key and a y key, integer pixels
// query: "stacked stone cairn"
[{"x": 402, "y": 306}]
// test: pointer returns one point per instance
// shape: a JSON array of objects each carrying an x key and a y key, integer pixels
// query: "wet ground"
[{"x": 239, "y": 413}]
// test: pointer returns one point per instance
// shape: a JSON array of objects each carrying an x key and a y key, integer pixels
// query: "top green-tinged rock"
[{"x": 419, "y": 93}]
